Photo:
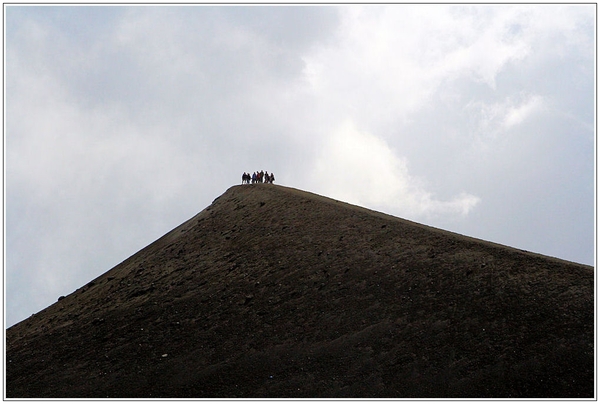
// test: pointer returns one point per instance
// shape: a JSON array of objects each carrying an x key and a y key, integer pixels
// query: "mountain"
[{"x": 275, "y": 292}]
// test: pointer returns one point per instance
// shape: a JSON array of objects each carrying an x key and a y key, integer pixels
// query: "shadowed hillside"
[{"x": 275, "y": 292}]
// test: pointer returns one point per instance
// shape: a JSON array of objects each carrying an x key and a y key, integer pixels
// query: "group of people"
[{"x": 258, "y": 178}]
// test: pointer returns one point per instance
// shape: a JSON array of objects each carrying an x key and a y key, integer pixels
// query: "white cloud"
[
  {"x": 517, "y": 113},
  {"x": 496, "y": 123},
  {"x": 360, "y": 168},
  {"x": 380, "y": 75}
]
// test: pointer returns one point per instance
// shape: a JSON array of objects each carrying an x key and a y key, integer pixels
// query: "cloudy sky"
[{"x": 122, "y": 122}]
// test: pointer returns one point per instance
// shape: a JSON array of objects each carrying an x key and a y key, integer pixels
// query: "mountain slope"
[{"x": 275, "y": 292}]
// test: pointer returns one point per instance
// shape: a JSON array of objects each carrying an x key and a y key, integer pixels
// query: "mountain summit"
[{"x": 275, "y": 292}]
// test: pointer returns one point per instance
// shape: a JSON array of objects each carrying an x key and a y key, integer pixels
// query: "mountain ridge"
[{"x": 276, "y": 292}]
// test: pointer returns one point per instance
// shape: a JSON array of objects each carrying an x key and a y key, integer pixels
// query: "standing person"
[
  {"x": 254, "y": 177},
  {"x": 272, "y": 179}
]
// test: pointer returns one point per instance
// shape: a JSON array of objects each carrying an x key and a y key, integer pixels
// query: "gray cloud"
[{"x": 122, "y": 122}]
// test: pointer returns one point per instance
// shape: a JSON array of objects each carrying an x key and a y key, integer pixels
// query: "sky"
[{"x": 122, "y": 122}]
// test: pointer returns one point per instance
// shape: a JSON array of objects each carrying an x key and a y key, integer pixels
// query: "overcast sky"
[{"x": 122, "y": 122}]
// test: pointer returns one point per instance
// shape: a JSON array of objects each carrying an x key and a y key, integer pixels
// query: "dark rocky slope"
[{"x": 275, "y": 292}]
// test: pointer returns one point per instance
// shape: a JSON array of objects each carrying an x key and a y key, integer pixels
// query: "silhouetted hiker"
[
  {"x": 245, "y": 178},
  {"x": 272, "y": 179},
  {"x": 253, "y": 178}
]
